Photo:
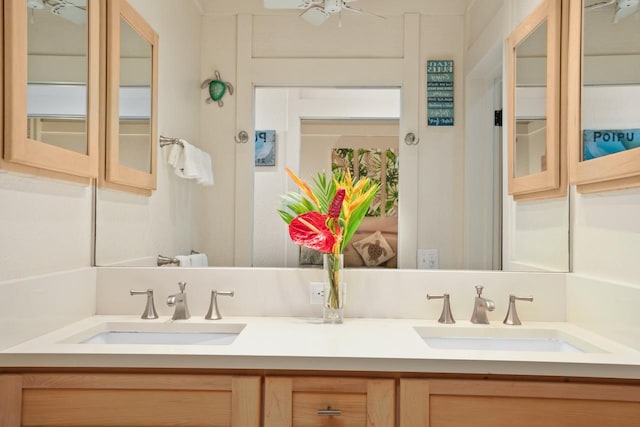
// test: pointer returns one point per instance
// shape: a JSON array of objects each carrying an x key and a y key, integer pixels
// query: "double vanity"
[
  {"x": 281, "y": 366},
  {"x": 252, "y": 371}
]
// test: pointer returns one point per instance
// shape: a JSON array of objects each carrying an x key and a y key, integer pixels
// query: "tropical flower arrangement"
[{"x": 325, "y": 216}]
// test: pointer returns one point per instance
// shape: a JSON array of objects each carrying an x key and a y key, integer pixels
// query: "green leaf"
[{"x": 358, "y": 214}]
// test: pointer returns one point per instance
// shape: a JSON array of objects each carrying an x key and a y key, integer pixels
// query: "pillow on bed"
[{"x": 374, "y": 249}]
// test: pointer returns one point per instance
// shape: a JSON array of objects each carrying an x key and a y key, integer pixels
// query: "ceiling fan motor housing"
[{"x": 332, "y": 6}]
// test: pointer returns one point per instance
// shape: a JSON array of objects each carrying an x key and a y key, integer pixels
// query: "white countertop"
[{"x": 374, "y": 345}]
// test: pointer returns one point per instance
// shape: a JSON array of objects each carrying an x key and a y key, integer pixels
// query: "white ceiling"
[{"x": 382, "y": 7}]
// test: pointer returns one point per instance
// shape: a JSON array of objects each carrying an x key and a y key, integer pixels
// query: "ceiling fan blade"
[
  {"x": 599, "y": 4},
  {"x": 290, "y": 4},
  {"x": 363, "y": 12},
  {"x": 625, "y": 8}
]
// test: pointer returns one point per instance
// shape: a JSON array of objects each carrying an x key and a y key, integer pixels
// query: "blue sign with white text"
[{"x": 440, "y": 93}]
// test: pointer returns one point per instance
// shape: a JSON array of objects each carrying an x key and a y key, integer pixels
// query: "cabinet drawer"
[{"x": 323, "y": 402}]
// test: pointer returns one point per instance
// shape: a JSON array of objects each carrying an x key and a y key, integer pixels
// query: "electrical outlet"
[
  {"x": 316, "y": 293},
  {"x": 428, "y": 258}
]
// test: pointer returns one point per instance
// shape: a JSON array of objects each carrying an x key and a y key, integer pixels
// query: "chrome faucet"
[
  {"x": 150, "y": 308},
  {"x": 180, "y": 302},
  {"x": 214, "y": 311},
  {"x": 446, "y": 316},
  {"x": 512, "y": 317},
  {"x": 480, "y": 308}
]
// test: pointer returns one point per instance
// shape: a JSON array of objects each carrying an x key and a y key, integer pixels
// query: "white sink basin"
[
  {"x": 167, "y": 338},
  {"x": 503, "y": 339},
  {"x": 158, "y": 333}
]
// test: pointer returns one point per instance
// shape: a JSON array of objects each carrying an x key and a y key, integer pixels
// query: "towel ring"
[
  {"x": 242, "y": 138},
  {"x": 410, "y": 139}
]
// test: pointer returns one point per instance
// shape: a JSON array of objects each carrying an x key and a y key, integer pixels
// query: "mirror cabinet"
[
  {"x": 51, "y": 92},
  {"x": 80, "y": 95},
  {"x": 536, "y": 158},
  {"x": 131, "y": 93},
  {"x": 80, "y": 92},
  {"x": 604, "y": 122}
]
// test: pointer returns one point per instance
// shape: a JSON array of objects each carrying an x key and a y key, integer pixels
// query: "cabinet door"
[
  {"x": 51, "y": 90},
  {"x": 319, "y": 402},
  {"x": 134, "y": 400},
  {"x": 453, "y": 403}
]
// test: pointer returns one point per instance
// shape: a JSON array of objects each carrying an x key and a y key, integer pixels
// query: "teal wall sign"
[
  {"x": 440, "y": 93},
  {"x": 602, "y": 142}
]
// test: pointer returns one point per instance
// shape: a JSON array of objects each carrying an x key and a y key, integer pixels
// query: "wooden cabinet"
[
  {"x": 178, "y": 399},
  {"x": 130, "y": 130},
  {"x": 453, "y": 403},
  {"x": 536, "y": 161},
  {"x": 319, "y": 402},
  {"x": 51, "y": 73},
  {"x": 129, "y": 400}
]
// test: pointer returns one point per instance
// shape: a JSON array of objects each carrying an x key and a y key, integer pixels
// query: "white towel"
[
  {"x": 189, "y": 163},
  {"x": 175, "y": 154},
  {"x": 199, "y": 260},
  {"x": 206, "y": 176},
  {"x": 184, "y": 260}
]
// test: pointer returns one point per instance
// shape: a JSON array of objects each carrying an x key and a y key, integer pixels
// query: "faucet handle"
[
  {"x": 150, "y": 308},
  {"x": 214, "y": 311},
  {"x": 446, "y": 316},
  {"x": 182, "y": 285},
  {"x": 512, "y": 314}
]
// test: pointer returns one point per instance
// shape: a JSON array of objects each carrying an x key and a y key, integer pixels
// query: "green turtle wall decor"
[{"x": 217, "y": 89}]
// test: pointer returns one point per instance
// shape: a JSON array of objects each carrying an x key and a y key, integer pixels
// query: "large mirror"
[
  {"x": 605, "y": 39},
  {"x": 320, "y": 122},
  {"x": 534, "y": 101},
  {"x": 132, "y": 99},
  {"x": 52, "y": 114}
]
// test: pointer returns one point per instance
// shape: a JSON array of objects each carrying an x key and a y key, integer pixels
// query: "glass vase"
[{"x": 334, "y": 288}]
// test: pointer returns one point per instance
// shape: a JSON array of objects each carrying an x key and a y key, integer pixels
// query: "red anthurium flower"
[
  {"x": 310, "y": 230},
  {"x": 336, "y": 204}
]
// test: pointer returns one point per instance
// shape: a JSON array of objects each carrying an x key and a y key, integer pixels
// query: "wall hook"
[
  {"x": 242, "y": 138},
  {"x": 410, "y": 139}
]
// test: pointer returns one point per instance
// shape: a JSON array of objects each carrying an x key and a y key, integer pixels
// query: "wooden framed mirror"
[
  {"x": 132, "y": 100},
  {"x": 604, "y": 62},
  {"x": 533, "y": 103},
  {"x": 52, "y": 86}
]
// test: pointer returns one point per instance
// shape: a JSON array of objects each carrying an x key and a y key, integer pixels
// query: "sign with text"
[
  {"x": 440, "y": 93},
  {"x": 603, "y": 142}
]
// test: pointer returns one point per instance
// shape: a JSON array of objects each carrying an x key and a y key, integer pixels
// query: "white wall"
[
  {"x": 46, "y": 225},
  {"x": 42, "y": 303},
  {"x": 441, "y": 163},
  {"x": 132, "y": 229}
]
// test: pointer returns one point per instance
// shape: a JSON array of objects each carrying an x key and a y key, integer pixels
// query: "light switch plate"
[{"x": 428, "y": 259}]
